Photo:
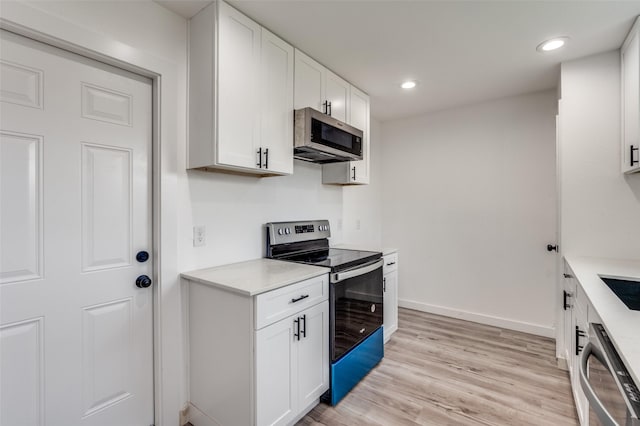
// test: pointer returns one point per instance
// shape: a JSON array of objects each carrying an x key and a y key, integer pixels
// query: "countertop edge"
[{"x": 312, "y": 272}]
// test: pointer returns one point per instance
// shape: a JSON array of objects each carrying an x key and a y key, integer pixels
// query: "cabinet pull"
[
  {"x": 579, "y": 334},
  {"x": 384, "y": 284},
  {"x": 633, "y": 148},
  {"x": 391, "y": 263},
  {"x": 354, "y": 172},
  {"x": 296, "y": 328},
  {"x": 266, "y": 158},
  {"x": 565, "y": 297},
  {"x": 297, "y": 299},
  {"x": 567, "y": 275},
  {"x": 259, "y": 163},
  {"x": 329, "y": 106},
  {"x": 304, "y": 326},
  {"x": 326, "y": 107}
]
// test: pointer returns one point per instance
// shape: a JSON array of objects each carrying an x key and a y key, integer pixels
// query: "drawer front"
[
  {"x": 390, "y": 263},
  {"x": 275, "y": 305}
]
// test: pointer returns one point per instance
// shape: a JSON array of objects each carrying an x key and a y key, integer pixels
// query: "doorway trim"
[{"x": 40, "y": 25}]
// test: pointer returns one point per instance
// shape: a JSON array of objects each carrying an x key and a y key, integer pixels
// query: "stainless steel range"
[{"x": 355, "y": 298}]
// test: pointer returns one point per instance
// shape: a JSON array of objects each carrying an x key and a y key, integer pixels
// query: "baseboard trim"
[{"x": 479, "y": 318}]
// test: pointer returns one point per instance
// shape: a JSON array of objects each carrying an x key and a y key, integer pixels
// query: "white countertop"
[
  {"x": 385, "y": 251},
  {"x": 622, "y": 324},
  {"x": 254, "y": 276}
]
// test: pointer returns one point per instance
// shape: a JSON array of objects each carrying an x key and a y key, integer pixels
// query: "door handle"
[
  {"x": 633, "y": 148},
  {"x": 579, "y": 334},
  {"x": 304, "y": 326},
  {"x": 296, "y": 328},
  {"x": 266, "y": 158},
  {"x": 354, "y": 172},
  {"x": 551, "y": 247},
  {"x": 143, "y": 281},
  {"x": 259, "y": 152},
  {"x": 384, "y": 284},
  {"x": 565, "y": 297},
  {"x": 142, "y": 256}
]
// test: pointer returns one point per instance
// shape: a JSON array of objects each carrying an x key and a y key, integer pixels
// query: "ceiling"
[{"x": 460, "y": 52}]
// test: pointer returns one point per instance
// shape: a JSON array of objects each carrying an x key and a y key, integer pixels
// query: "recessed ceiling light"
[
  {"x": 552, "y": 44},
  {"x": 410, "y": 84}
]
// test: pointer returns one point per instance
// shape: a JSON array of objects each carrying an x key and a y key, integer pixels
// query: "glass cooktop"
[{"x": 336, "y": 259}]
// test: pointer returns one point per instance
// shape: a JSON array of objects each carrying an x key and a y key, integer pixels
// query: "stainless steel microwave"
[{"x": 320, "y": 138}]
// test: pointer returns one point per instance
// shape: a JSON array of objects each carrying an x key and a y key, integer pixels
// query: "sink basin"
[{"x": 628, "y": 291}]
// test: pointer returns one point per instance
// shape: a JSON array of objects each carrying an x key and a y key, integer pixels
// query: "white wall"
[
  {"x": 469, "y": 200},
  {"x": 234, "y": 209},
  {"x": 600, "y": 208}
]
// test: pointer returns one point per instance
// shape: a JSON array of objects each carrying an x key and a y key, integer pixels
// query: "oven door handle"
[
  {"x": 361, "y": 270},
  {"x": 596, "y": 405}
]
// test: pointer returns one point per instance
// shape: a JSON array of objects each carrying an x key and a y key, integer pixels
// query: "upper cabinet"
[
  {"x": 630, "y": 57},
  {"x": 319, "y": 88},
  {"x": 240, "y": 95},
  {"x": 353, "y": 172}
]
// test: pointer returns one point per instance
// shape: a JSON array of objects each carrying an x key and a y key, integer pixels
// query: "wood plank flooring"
[{"x": 444, "y": 371}]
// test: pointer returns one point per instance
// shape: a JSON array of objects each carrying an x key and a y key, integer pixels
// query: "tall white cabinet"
[
  {"x": 630, "y": 63},
  {"x": 240, "y": 95}
]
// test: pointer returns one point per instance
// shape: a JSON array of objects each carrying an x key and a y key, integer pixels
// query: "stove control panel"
[{"x": 289, "y": 232}]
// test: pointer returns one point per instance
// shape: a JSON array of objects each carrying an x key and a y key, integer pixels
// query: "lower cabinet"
[
  {"x": 390, "y": 294},
  {"x": 257, "y": 360},
  {"x": 291, "y": 367},
  {"x": 576, "y": 309}
]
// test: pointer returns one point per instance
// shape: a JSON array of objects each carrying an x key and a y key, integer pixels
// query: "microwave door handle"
[
  {"x": 341, "y": 276},
  {"x": 596, "y": 405}
]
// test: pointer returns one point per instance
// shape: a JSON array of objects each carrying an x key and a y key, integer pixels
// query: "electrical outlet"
[{"x": 199, "y": 236}]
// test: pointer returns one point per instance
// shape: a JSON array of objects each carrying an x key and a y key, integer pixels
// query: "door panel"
[
  {"x": 308, "y": 82},
  {"x": 75, "y": 204},
  {"x": 313, "y": 355}
]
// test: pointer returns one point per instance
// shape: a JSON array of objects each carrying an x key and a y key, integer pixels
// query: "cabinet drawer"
[
  {"x": 390, "y": 263},
  {"x": 283, "y": 302}
]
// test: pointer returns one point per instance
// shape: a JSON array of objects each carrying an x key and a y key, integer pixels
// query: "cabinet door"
[
  {"x": 337, "y": 94},
  {"x": 582, "y": 404},
  {"x": 277, "y": 104},
  {"x": 276, "y": 387},
  {"x": 309, "y": 82},
  {"x": 238, "y": 80},
  {"x": 390, "y": 307},
  {"x": 359, "y": 118},
  {"x": 630, "y": 56},
  {"x": 313, "y": 355}
]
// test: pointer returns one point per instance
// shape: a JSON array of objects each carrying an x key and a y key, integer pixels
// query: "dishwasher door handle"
[{"x": 596, "y": 405}]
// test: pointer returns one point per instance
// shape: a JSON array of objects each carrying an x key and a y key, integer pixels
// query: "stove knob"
[
  {"x": 287, "y": 231},
  {"x": 280, "y": 231}
]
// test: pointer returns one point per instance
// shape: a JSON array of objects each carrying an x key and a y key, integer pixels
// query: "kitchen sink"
[{"x": 628, "y": 291}]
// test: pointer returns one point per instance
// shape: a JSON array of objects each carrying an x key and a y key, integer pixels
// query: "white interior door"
[{"x": 75, "y": 149}]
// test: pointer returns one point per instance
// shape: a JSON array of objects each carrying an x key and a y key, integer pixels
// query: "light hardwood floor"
[{"x": 444, "y": 371}]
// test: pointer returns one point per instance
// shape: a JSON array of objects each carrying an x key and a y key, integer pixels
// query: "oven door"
[
  {"x": 356, "y": 307},
  {"x": 613, "y": 397}
]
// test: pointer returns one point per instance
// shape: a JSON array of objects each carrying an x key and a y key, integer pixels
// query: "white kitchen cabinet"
[
  {"x": 319, "y": 88},
  {"x": 353, "y": 172},
  {"x": 576, "y": 308},
  {"x": 257, "y": 360},
  {"x": 390, "y": 294},
  {"x": 630, "y": 64},
  {"x": 291, "y": 367},
  {"x": 240, "y": 95}
]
